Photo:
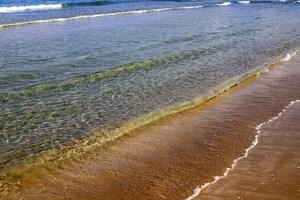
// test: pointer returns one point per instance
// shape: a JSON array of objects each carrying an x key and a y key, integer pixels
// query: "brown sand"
[
  {"x": 272, "y": 169},
  {"x": 169, "y": 158}
]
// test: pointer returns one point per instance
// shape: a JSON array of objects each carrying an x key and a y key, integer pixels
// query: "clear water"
[{"x": 59, "y": 82}]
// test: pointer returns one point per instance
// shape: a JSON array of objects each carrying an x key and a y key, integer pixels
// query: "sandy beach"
[
  {"x": 171, "y": 157},
  {"x": 149, "y": 100},
  {"x": 272, "y": 169}
]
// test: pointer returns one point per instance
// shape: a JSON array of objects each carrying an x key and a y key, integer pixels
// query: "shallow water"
[
  {"x": 169, "y": 158},
  {"x": 63, "y": 82}
]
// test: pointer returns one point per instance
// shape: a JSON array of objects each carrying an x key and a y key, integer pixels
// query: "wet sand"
[
  {"x": 170, "y": 157},
  {"x": 272, "y": 169}
]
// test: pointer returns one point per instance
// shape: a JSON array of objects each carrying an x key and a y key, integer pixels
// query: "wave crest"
[
  {"x": 224, "y": 4},
  {"x": 98, "y": 15},
  {"x": 82, "y": 80},
  {"x": 13, "y": 9},
  {"x": 244, "y": 2}
]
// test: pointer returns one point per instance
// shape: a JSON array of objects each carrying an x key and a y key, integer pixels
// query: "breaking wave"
[
  {"x": 97, "y": 76},
  {"x": 13, "y": 9},
  {"x": 98, "y": 15},
  {"x": 244, "y": 2},
  {"x": 224, "y": 4},
  {"x": 24, "y": 8}
]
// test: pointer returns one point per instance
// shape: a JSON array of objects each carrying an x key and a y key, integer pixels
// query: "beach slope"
[{"x": 171, "y": 157}]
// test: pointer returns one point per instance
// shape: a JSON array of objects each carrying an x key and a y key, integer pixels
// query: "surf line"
[
  {"x": 199, "y": 189},
  {"x": 13, "y": 9},
  {"x": 98, "y": 15}
]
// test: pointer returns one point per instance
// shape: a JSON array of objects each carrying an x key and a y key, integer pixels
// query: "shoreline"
[
  {"x": 102, "y": 15},
  {"x": 271, "y": 171},
  {"x": 94, "y": 143},
  {"x": 258, "y": 128},
  {"x": 166, "y": 140}
]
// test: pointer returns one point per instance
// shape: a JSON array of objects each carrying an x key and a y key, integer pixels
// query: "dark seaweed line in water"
[
  {"x": 89, "y": 146},
  {"x": 83, "y": 80}
]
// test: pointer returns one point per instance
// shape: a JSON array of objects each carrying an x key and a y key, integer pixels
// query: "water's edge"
[
  {"x": 258, "y": 128},
  {"x": 13, "y": 175}
]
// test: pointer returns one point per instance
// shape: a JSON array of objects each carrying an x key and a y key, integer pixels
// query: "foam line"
[
  {"x": 224, "y": 4},
  {"x": 289, "y": 56},
  {"x": 13, "y": 9},
  {"x": 98, "y": 15},
  {"x": 199, "y": 189},
  {"x": 244, "y": 2}
]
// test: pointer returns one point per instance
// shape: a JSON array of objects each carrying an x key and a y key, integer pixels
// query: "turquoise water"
[{"x": 60, "y": 82}]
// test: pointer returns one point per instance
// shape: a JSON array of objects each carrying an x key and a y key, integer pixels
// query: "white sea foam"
[
  {"x": 244, "y": 2},
  {"x": 289, "y": 56},
  {"x": 13, "y": 9},
  {"x": 264, "y": 70},
  {"x": 198, "y": 189},
  {"x": 224, "y": 4},
  {"x": 98, "y": 15}
]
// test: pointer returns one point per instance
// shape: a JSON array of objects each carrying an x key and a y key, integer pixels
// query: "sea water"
[{"x": 70, "y": 70}]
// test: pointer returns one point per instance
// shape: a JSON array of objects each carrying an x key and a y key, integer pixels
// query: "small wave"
[
  {"x": 273, "y": 2},
  {"x": 108, "y": 2},
  {"x": 289, "y": 56},
  {"x": 71, "y": 82},
  {"x": 244, "y": 2},
  {"x": 92, "y": 143},
  {"x": 224, "y": 4},
  {"x": 98, "y": 15},
  {"x": 92, "y": 3},
  {"x": 25, "y": 8},
  {"x": 198, "y": 189},
  {"x": 29, "y": 8}
]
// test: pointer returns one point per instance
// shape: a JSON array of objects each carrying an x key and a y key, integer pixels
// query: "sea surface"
[{"x": 75, "y": 70}]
